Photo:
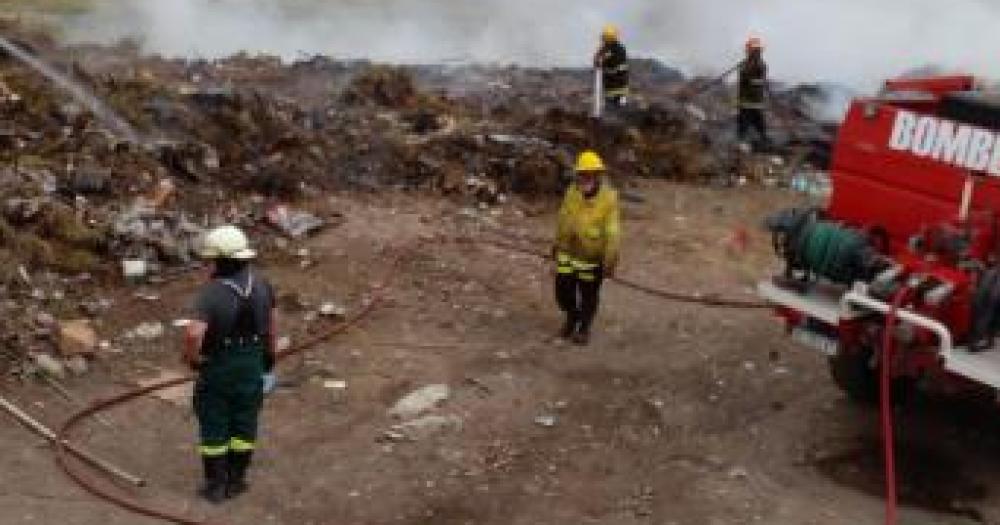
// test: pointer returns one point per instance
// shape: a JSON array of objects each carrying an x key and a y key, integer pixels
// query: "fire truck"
[{"x": 898, "y": 275}]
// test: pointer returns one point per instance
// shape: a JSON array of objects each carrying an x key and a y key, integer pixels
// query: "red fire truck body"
[{"x": 916, "y": 175}]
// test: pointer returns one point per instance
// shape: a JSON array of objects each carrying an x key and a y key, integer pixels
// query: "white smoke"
[{"x": 856, "y": 42}]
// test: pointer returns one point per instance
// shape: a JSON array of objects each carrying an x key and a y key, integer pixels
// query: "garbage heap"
[{"x": 243, "y": 139}]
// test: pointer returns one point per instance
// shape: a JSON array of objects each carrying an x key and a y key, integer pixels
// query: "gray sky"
[{"x": 857, "y": 42}]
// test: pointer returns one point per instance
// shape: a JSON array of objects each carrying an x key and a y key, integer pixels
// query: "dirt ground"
[{"x": 675, "y": 414}]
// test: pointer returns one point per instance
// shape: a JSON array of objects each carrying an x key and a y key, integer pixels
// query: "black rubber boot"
[
  {"x": 238, "y": 463},
  {"x": 216, "y": 476},
  {"x": 582, "y": 335},
  {"x": 568, "y": 328}
]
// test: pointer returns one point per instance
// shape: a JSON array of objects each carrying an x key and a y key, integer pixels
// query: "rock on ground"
[{"x": 420, "y": 401}]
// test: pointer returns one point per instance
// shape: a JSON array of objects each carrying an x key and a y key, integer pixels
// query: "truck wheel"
[{"x": 854, "y": 374}]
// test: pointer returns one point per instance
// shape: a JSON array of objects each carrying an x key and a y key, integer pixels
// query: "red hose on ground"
[
  {"x": 714, "y": 302},
  {"x": 888, "y": 434},
  {"x": 130, "y": 504},
  {"x": 62, "y": 457}
]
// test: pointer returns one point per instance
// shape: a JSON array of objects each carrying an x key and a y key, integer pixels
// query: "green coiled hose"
[{"x": 832, "y": 251}]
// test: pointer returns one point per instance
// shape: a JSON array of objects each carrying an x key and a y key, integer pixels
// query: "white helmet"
[{"x": 226, "y": 242}]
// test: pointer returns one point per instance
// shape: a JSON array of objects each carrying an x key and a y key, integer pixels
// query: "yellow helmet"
[
  {"x": 226, "y": 242},
  {"x": 609, "y": 33},
  {"x": 589, "y": 161}
]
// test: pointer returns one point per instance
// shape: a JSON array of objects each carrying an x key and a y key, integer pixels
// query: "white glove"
[{"x": 270, "y": 381}]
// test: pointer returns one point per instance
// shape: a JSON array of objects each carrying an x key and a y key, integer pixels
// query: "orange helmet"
[{"x": 755, "y": 44}]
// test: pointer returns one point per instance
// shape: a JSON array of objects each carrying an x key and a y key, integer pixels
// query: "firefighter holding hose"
[
  {"x": 586, "y": 246},
  {"x": 752, "y": 92},
  {"x": 611, "y": 60},
  {"x": 230, "y": 343}
]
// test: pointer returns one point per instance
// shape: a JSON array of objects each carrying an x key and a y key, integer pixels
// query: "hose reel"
[{"x": 813, "y": 247}]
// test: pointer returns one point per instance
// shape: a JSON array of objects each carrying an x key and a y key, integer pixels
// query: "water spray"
[{"x": 112, "y": 120}]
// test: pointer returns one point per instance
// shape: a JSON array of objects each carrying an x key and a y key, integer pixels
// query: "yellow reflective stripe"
[
  {"x": 240, "y": 445},
  {"x": 612, "y": 230},
  {"x": 569, "y": 264},
  {"x": 213, "y": 451},
  {"x": 586, "y": 276},
  {"x": 565, "y": 263},
  {"x": 616, "y": 92}
]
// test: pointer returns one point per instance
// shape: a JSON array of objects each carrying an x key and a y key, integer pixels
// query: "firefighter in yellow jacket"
[{"x": 586, "y": 247}]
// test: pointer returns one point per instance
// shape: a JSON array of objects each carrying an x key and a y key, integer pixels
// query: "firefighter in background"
[
  {"x": 752, "y": 93},
  {"x": 586, "y": 247},
  {"x": 230, "y": 343},
  {"x": 612, "y": 60}
]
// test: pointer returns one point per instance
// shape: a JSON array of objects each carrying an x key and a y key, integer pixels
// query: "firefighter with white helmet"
[
  {"x": 586, "y": 246},
  {"x": 230, "y": 343}
]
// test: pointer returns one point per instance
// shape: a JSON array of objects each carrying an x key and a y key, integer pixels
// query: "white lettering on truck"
[
  {"x": 952, "y": 144},
  {"x": 961, "y": 145}
]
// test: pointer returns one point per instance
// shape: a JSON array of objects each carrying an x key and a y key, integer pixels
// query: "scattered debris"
[
  {"x": 516, "y": 140},
  {"x": 333, "y": 310},
  {"x": 814, "y": 183},
  {"x": 77, "y": 365},
  {"x": 45, "y": 320},
  {"x": 420, "y": 401},
  {"x": 394, "y": 436},
  {"x": 77, "y": 338},
  {"x": 24, "y": 275},
  {"x": 134, "y": 270},
  {"x": 739, "y": 473},
  {"x": 149, "y": 331},
  {"x": 49, "y": 365},
  {"x": 547, "y": 421},
  {"x": 424, "y": 427},
  {"x": 481, "y": 387},
  {"x": 294, "y": 223}
]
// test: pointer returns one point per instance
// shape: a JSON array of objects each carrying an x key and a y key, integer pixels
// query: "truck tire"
[{"x": 855, "y": 375}]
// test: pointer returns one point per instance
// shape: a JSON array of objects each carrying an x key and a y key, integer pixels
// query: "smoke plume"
[{"x": 855, "y": 42}]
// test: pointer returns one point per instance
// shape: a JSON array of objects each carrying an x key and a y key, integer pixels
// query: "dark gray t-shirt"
[{"x": 217, "y": 305}]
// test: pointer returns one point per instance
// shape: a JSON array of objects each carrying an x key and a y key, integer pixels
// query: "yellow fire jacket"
[{"x": 589, "y": 229}]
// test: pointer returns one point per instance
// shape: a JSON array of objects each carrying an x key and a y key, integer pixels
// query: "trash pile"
[{"x": 242, "y": 139}]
